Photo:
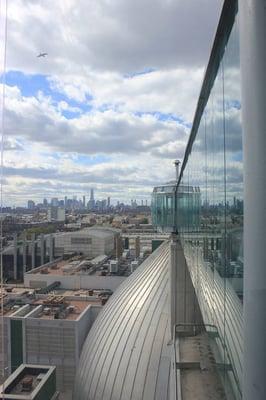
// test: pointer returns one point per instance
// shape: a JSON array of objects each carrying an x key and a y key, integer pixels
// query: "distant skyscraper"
[
  {"x": 54, "y": 202},
  {"x": 84, "y": 201},
  {"x": 91, "y": 202},
  {"x": 108, "y": 202},
  {"x": 45, "y": 202},
  {"x": 31, "y": 204}
]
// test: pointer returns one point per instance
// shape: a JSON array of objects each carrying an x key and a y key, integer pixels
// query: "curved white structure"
[{"x": 126, "y": 355}]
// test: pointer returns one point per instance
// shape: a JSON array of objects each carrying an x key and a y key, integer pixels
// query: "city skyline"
[
  {"x": 92, "y": 113},
  {"x": 82, "y": 202}
]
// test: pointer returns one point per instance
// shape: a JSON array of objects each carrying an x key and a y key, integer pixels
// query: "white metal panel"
[{"x": 122, "y": 355}]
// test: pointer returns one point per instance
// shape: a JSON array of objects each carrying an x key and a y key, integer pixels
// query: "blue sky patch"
[
  {"x": 30, "y": 85},
  {"x": 163, "y": 117},
  {"x": 80, "y": 159},
  {"x": 69, "y": 114},
  {"x": 87, "y": 160}
]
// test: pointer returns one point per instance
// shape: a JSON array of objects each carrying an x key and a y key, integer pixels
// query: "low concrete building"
[
  {"x": 89, "y": 241},
  {"x": 55, "y": 213},
  {"x": 71, "y": 274},
  {"x": 30, "y": 382},
  {"x": 49, "y": 330}
]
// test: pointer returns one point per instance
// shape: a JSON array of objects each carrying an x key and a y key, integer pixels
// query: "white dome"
[{"x": 125, "y": 355}]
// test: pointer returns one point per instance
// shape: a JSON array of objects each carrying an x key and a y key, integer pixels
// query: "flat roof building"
[
  {"x": 91, "y": 242},
  {"x": 49, "y": 330},
  {"x": 30, "y": 382}
]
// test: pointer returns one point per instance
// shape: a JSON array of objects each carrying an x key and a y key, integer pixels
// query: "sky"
[{"x": 111, "y": 105}]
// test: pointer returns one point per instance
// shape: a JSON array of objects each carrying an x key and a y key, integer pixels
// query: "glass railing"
[{"x": 211, "y": 225}]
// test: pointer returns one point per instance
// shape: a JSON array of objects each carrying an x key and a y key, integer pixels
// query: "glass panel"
[
  {"x": 233, "y": 244},
  {"x": 217, "y": 212},
  {"x": 210, "y": 214},
  {"x": 163, "y": 208}
]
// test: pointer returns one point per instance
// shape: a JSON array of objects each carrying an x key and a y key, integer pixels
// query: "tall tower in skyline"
[{"x": 91, "y": 201}]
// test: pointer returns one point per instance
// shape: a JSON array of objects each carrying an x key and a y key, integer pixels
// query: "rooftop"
[
  {"x": 26, "y": 380},
  {"x": 72, "y": 266},
  {"x": 82, "y": 265},
  {"x": 67, "y": 305},
  {"x": 56, "y": 307},
  {"x": 97, "y": 232}
]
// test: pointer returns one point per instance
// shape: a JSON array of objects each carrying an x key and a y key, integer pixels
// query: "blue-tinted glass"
[{"x": 210, "y": 215}]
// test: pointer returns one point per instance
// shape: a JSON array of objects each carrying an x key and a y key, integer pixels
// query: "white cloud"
[
  {"x": 97, "y": 51},
  {"x": 112, "y": 132},
  {"x": 118, "y": 35},
  {"x": 167, "y": 91}
]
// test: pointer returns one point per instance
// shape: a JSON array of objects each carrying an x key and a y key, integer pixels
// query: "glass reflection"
[{"x": 211, "y": 224}]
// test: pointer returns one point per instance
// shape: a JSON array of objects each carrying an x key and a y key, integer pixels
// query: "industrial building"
[
  {"x": 73, "y": 273},
  {"x": 48, "y": 329},
  {"x": 91, "y": 242},
  {"x": 30, "y": 382},
  {"x": 48, "y": 322},
  {"x": 24, "y": 255},
  {"x": 55, "y": 213},
  {"x": 76, "y": 270}
]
